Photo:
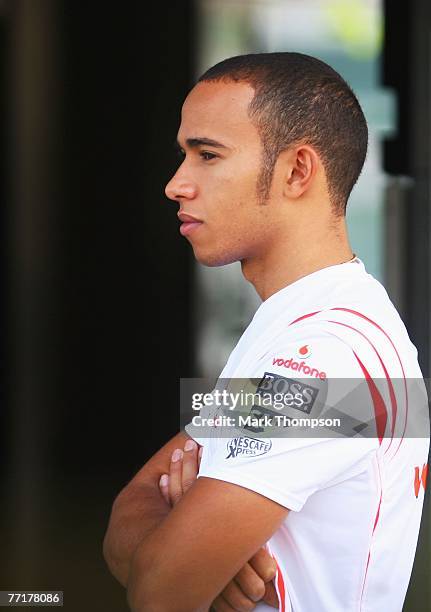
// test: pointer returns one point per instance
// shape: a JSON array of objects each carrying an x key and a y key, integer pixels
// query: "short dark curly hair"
[{"x": 300, "y": 99}]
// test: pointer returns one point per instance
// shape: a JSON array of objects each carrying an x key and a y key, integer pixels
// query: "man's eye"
[{"x": 207, "y": 156}]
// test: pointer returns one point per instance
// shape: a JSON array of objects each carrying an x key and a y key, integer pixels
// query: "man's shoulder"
[
  {"x": 339, "y": 322},
  {"x": 342, "y": 340}
]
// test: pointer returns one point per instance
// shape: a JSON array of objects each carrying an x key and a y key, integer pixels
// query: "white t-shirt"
[{"x": 355, "y": 500}]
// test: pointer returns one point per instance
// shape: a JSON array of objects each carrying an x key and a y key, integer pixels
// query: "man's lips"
[{"x": 188, "y": 224}]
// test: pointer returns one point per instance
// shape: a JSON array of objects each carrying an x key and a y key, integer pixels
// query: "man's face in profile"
[{"x": 216, "y": 184}]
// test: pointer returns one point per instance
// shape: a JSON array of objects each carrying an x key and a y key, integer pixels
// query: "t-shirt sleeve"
[{"x": 322, "y": 434}]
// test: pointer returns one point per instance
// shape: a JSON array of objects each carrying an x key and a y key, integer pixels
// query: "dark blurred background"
[{"x": 104, "y": 309}]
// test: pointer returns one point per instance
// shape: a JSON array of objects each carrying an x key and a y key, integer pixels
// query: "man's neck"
[{"x": 280, "y": 267}]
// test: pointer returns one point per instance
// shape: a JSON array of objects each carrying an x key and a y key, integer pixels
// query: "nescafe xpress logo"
[{"x": 247, "y": 447}]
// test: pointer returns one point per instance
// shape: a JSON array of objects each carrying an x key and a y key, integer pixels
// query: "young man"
[{"x": 272, "y": 145}]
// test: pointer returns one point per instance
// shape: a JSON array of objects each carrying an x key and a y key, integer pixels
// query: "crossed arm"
[{"x": 183, "y": 558}]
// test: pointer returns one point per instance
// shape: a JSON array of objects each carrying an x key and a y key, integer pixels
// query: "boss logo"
[{"x": 280, "y": 388}]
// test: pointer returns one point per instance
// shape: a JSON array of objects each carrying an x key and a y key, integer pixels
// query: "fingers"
[
  {"x": 248, "y": 588},
  {"x": 221, "y": 605},
  {"x": 250, "y": 583},
  {"x": 237, "y": 599},
  {"x": 175, "y": 477},
  {"x": 270, "y": 597},
  {"x": 183, "y": 472},
  {"x": 164, "y": 488},
  {"x": 190, "y": 465},
  {"x": 263, "y": 564}
]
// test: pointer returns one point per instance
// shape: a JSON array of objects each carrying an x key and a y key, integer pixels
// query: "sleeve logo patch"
[
  {"x": 278, "y": 386},
  {"x": 247, "y": 447}
]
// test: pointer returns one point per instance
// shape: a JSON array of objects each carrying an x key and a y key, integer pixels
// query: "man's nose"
[{"x": 179, "y": 187}]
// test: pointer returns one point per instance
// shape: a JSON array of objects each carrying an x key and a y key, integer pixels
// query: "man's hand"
[
  {"x": 183, "y": 472},
  {"x": 253, "y": 583}
]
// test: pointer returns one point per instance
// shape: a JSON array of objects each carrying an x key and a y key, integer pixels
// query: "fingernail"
[
  {"x": 177, "y": 455},
  {"x": 190, "y": 445},
  {"x": 201, "y": 450},
  {"x": 164, "y": 479}
]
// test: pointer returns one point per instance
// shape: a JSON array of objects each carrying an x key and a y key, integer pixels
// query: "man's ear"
[{"x": 300, "y": 164}]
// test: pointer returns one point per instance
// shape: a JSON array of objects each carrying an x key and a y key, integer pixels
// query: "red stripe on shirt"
[
  {"x": 311, "y": 314},
  {"x": 365, "y": 579},
  {"x": 388, "y": 379},
  {"x": 376, "y": 520},
  {"x": 359, "y": 314},
  {"x": 280, "y": 587},
  {"x": 379, "y": 404}
]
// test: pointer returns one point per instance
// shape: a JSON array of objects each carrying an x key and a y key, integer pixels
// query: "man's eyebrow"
[{"x": 193, "y": 143}]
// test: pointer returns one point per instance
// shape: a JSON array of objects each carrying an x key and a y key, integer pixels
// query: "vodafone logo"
[
  {"x": 298, "y": 366},
  {"x": 304, "y": 351}
]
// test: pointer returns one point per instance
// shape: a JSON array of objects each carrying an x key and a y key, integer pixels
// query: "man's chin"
[{"x": 214, "y": 260}]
